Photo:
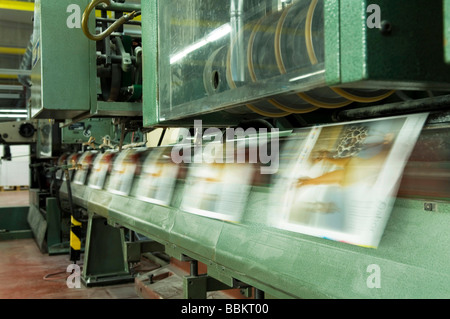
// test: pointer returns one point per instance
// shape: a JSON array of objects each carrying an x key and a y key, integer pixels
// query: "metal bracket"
[{"x": 196, "y": 287}]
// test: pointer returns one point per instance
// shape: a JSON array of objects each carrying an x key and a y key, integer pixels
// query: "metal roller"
[{"x": 281, "y": 42}]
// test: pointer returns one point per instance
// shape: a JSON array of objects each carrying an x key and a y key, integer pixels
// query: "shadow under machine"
[{"x": 359, "y": 94}]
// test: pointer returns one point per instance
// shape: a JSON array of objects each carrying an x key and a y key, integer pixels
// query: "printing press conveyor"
[{"x": 411, "y": 260}]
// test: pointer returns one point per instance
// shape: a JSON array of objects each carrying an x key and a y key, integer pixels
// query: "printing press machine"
[{"x": 330, "y": 81}]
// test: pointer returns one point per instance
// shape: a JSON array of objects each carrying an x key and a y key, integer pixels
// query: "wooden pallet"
[{"x": 13, "y": 188}]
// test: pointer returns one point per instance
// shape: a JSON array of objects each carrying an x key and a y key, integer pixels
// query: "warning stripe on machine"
[{"x": 75, "y": 234}]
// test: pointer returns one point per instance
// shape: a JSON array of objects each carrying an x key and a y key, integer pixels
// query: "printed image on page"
[
  {"x": 86, "y": 161},
  {"x": 339, "y": 181},
  {"x": 218, "y": 190},
  {"x": 72, "y": 160},
  {"x": 158, "y": 177},
  {"x": 101, "y": 167},
  {"x": 123, "y": 171}
]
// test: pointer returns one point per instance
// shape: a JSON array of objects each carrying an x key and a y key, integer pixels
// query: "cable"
[{"x": 47, "y": 277}]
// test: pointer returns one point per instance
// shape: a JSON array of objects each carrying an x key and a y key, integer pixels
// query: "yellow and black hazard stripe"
[{"x": 75, "y": 239}]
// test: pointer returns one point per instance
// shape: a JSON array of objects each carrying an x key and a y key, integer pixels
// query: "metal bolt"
[
  {"x": 429, "y": 207},
  {"x": 386, "y": 28}
]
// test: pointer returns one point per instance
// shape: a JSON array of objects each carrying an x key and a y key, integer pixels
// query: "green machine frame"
[
  {"x": 285, "y": 265},
  {"x": 412, "y": 256},
  {"x": 13, "y": 223},
  {"x": 447, "y": 30},
  {"x": 82, "y": 131},
  {"x": 61, "y": 50},
  {"x": 356, "y": 56},
  {"x": 48, "y": 226}
]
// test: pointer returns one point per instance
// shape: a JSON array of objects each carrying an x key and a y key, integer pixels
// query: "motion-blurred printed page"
[
  {"x": 123, "y": 171},
  {"x": 158, "y": 177},
  {"x": 100, "y": 168},
  {"x": 340, "y": 181},
  {"x": 217, "y": 189},
  {"x": 86, "y": 161}
]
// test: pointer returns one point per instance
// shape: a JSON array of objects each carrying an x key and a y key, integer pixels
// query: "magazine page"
[
  {"x": 101, "y": 167},
  {"x": 123, "y": 171},
  {"x": 340, "y": 181},
  {"x": 158, "y": 177},
  {"x": 72, "y": 161},
  {"x": 61, "y": 161},
  {"x": 86, "y": 161},
  {"x": 217, "y": 189}
]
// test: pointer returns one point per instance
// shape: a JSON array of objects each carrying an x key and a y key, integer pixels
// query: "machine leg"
[
  {"x": 196, "y": 286},
  {"x": 54, "y": 230},
  {"x": 105, "y": 260}
]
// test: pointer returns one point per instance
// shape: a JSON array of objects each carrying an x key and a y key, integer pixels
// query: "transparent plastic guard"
[{"x": 218, "y": 54}]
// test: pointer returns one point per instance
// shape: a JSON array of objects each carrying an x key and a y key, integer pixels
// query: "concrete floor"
[
  {"x": 26, "y": 273},
  {"x": 14, "y": 198}
]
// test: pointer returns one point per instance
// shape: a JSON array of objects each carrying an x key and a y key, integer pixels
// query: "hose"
[{"x": 98, "y": 37}]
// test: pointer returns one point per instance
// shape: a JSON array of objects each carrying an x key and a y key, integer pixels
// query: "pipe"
[
  {"x": 122, "y": 7},
  {"x": 15, "y": 72},
  {"x": 12, "y": 51},
  {"x": 122, "y": 20},
  {"x": 17, "y": 5},
  {"x": 113, "y": 20}
]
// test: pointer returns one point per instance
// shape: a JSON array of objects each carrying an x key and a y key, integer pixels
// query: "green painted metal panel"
[
  {"x": 150, "y": 65},
  {"x": 53, "y": 217},
  {"x": 82, "y": 131},
  {"x": 408, "y": 57},
  {"x": 447, "y": 30},
  {"x": 38, "y": 225},
  {"x": 332, "y": 43},
  {"x": 412, "y": 257},
  {"x": 61, "y": 63},
  {"x": 409, "y": 257},
  {"x": 353, "y": 40},
  {"x": 105, "y": 254},
  {"x": 111, "y": 109},
  {"x": 14, "y": 218},
  {"x": 13, "y": 223},
  {"x": 411, "y": 53}
]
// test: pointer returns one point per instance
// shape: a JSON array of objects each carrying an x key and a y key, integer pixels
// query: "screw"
[
  {"x": 386, "y": 28},
  {"x": 429, "y": 207}
]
